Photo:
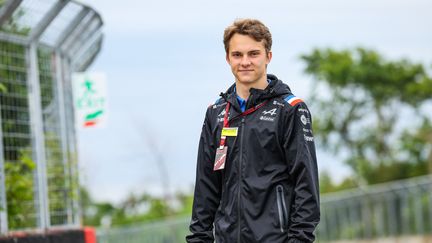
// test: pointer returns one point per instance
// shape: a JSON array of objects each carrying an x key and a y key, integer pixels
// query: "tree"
[
  {"x": 134, "y": 209},
  {"x": 362, "y": 109},
  {"x": 92, "y": 212}
]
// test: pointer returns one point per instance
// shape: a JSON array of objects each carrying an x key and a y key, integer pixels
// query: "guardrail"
[{"x": 391, "y": 209}]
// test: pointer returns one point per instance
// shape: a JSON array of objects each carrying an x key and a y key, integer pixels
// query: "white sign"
[{"x": 90, "y": 99}]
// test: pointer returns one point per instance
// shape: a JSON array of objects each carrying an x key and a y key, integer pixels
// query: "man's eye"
[
  {"x": 254, "y": 54},
  {"x": 236, "y": 55}
]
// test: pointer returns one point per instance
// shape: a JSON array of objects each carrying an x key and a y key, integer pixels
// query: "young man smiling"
[{"x": 257, "y": 177}]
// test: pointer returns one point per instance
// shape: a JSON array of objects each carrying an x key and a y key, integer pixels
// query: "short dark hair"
[{"x": 251, "y": 27}]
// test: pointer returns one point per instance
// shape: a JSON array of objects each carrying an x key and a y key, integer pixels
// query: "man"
[{"x": 256, "y": 178}]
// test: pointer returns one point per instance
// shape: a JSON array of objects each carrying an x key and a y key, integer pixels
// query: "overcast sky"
[{"x": 165, "y": 63}]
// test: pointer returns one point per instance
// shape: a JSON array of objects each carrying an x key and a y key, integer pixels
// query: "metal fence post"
[
  {"x": 322, "y": 230},
  {"x": 71, "y": 137},
  {"x": 60, "y": 74},
  {"x": 3, "y": 203},
  {"x": 418, "y": 210},
  {"x": 391, "y": 214},
  {"x": 378, "y": 216},
  {"x": 428, "y": 189},
  {"x": 38, "y": 140}
]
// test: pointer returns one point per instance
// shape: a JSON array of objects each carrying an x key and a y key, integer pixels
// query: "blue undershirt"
[{"x": 241, "y": 101}]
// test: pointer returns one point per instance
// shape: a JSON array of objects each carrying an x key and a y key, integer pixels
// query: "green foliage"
[
  {"x": 3, "y": 88},
  {"x": 135, "y": 209},
  {"x": 186, "y": 201},
  {"x": 92, "y": 213},
  {"x": 382, "y": 80},
  {"x": 12, "y": 25},
  {"x": 364, "y": 99},
  {"x": 19, "y": 191},
  {"x": 417, "y": 144},
  {"x": 327, "y": 185}
]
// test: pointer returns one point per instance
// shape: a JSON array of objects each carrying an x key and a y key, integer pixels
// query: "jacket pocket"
[{"x": 282, "y": 210}]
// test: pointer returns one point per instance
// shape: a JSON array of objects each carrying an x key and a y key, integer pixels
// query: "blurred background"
[{"x": 363, "y": 68}]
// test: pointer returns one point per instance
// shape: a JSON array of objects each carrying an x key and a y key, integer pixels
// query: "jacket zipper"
[
  {"x": 282, "y": 211},
  {"x": 240, "y": 179}
]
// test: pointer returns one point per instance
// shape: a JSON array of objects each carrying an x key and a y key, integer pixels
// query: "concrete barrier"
[{"x": 85, "y": 235}]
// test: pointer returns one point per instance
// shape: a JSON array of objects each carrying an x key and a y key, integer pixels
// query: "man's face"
[{"x": 248, "y": 59}]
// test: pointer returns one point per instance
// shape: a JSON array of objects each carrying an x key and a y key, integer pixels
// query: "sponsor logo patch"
[
  {"x": 219, "y": 105},
  {"x": 278, "y": 103},
  {"x": 305, "y": 120},
  {"x": 308, "y": 138},
  {"x": 272, "y": 112},
  {"x": 303, "y": 110}
]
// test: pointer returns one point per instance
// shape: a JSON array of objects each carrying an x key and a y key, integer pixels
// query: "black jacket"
[{"x": 268, "y": 191}]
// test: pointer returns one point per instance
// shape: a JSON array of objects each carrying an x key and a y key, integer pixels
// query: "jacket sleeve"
[
  {"x": 207, "y": 188},
  {"x": 300, "y": 153}
]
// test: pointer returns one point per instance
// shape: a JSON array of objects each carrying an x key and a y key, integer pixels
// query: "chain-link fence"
[
  {"x": 41, "y": 43},
  {"x": 392, "y": 210}
]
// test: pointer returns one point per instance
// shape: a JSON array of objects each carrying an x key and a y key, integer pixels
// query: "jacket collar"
[{"x": 275, "y": 88}]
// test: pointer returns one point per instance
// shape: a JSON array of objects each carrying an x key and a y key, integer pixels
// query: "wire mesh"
[
  {"x": 38, "y": 164},
  {"x": 17, "y": 145}
]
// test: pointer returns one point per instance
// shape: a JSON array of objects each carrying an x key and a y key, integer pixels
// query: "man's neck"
[{"x": 242, "y": 89}]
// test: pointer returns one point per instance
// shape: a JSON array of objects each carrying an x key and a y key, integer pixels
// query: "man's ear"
[
  {"x": 227, "y": 58},
  {"x": 269, "y": 56}
]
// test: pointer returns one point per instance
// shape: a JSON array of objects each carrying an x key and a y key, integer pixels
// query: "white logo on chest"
[
  {"x": 272, "y": 112},
  {"x": 268, "y": 115}
]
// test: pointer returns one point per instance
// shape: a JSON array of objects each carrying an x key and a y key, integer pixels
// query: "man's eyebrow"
[{"x": 257, "y": 50}]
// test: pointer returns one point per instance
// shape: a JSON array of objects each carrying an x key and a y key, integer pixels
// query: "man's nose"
[{"x": 245, "y": 61}]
